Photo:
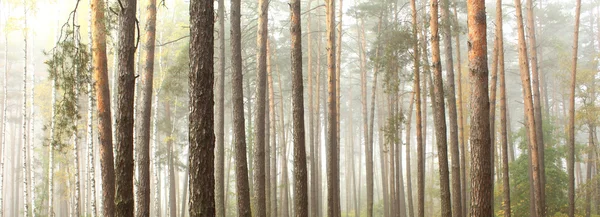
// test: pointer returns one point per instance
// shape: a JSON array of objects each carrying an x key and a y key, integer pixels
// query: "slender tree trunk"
[
  {"x": 503, "y": 110},
  {"x": 333, "y": 194},
  {"x": 480, "y": 135},
  {"x": 75, "y": 137},
  {"x": 571, "y": 125},
  {"x": 527, "y": 95},
  {"x": 273, "y": 121},
  {"x": 143, "y": 140},
  {"x": 408, "y": 167},
  {"x": 461, "y": 120},
  {"x": 369, "y": 148},
  {"x": 537, "y": 103},
  {"x": 155, "y": 159},
  {"x": 399, "y": 167},
  {"x": 319, "y": 208},
  {"x": 492, "y": 98},
  {"x": 259, "y": 121},
  {"x": 32, "y": 133},
  {"x": 418, "y": 127},
  {"x": 24, "y": 119},
  {"x": 589, "y": 162},
  {"x": 427, "y": 76},
  {"x": 453, "y": 119},
  {"x": 243, "y": 198},
  {"x": 220, "y": 133},
  {"x": 91, "y": 174},
  {"x": 284, "y": 170},
  {"x": 439, "y": 112},
  {"x": 170, "y": 161}
]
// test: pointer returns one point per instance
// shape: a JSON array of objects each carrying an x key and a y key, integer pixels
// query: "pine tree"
[
  {"x": 571, "y": 125},
  {"x": 243, "y": 190},
  {"x": 145, "y": 114},
  {"x": 481, "y": 177},
  {"x": 439, "y": 113}
]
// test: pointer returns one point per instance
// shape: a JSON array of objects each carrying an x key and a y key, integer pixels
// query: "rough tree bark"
[
  {"x": 103, "y": 107},
  {"x": 300, "y": 173},
  {"x": 529, "y": 111},
  {"x": 241, "y": 172},
  {"x": 143, "y": 134},
  {"x": 571, "y": 125},
  {"x": 124, "y": 202},
  {"x": 537, "y": 103},
  {"x": 439, "y": 112},
  {"x": 503, "y": 109},
  {"x": 453, "y": 119},
  {"x": 259, "y": 121},
  {"x": 418, "y": 126},
  {"x": 333, "y": 194},
  {"x": 481, "y": 177}
]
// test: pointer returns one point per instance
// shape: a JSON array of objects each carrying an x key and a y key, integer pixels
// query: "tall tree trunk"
[
  {"x": 32, "y": 133},
  {"x": 365, "y": 119},
  {"x": 369, "y": 148},
  {"x": 453, "y": 119},
  {"x": 480, "y": 135},
  {"x": 492, "y": 98},
  {"x": 418, "y": 126},
  {"x": 408, "y": 167},
  {"x": 75, "y": 137},
  {"x": 220, "y": 132},
  {"x": 318, "y": 125},
  {"x": 91, "y": 174},
  {"x": 589, "y": 162},
  {"x": 143, "y": 140},
  {"x": 461, "y": 120},
  {"x": 124, "y": 202},
  {"x": 273, "y": 124},
  {"x": 243, "y": 198},
  {"x": 537, "y": 103},
  {"x": 399, "y": 173},
  {"x": 333, "y": 194},
  {"x": 24, "y": 118},
  {"x": 300, "y": 173},
  {"x": 259, "y": 121},
  {"x": 571, "y": 125},
  {"x": 170, "y": 159},
  {"x": 155, "y": 159},
  {"x": 439, "y": 112},
  {"x": 427, "y": 74},
  {"x": 267, "y": 136},
  {"x": 503, "y": 110},
  {"x": 284, "y": 170},
  {"x": 527, "y": 95}
]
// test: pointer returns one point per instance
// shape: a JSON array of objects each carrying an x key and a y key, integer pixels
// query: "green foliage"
[
  {"x": 556, "y": 177},
  {"x": 68, "y": 66}
]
